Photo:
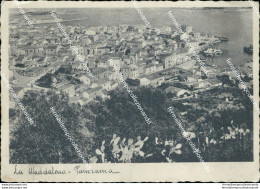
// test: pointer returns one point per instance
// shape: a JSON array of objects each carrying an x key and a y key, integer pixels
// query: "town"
[
  {"x": 143, "y": 56},
  {"x": 112, "y": 80}
]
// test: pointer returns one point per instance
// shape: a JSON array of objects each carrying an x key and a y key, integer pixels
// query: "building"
[
  {"x": 215, "y": 82},
  {"x": 19, "y": 60},
  {"x": 85, "y": 79},
  {"x": 101, "y": 73},
  {"x": 105, "y": 84},
  {"x": 150, "y": 68},
  {"x": 144, "y": 81},
  {"x": 129, "y": 71},
  {"x": 188, "y": 29},
  {"x": 90, "y": 32},
  {"x": 178, "y": 57},
  {"x": 176, "y": 91},
  {"x": 32, "y": 50},
  {"x": 51, "y": 49},
  {"x": 95, "y": 92},
  {"x": 68, "y": 88},
  {"x": 156, "y": 79}
]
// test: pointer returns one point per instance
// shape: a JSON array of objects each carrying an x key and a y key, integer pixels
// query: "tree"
[{"x": 45, "y": 140}]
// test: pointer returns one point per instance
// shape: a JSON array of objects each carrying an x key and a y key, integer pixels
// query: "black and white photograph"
[{"x": 130, "y": 85}]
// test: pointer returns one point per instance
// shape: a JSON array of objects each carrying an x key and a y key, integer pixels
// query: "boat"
[
  {"x": 212, "y": 52},
  {"x": 223, "y": 38},
  {"x": 218, "y": 52},
  {"x": 248, "y": 49},
  {"x": 217, "y": 41},
  {"x": 202, "y": 43}
]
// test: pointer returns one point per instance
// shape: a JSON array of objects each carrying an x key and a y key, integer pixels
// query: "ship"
[
  {"x": 212, "y": 52},
  {"x": 248, "y": 49}
]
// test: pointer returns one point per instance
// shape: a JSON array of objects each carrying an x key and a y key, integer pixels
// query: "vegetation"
[
  {"x": 114, "y": 130},
  {"x": 45, "y": 81},
  {"x": 45, "y": 142}
]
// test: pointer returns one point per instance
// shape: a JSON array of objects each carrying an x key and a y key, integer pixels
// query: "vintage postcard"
[{"x": 130, "y": 91}]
